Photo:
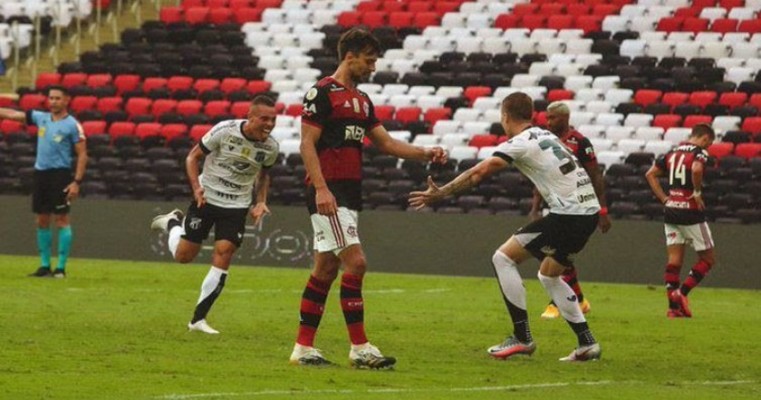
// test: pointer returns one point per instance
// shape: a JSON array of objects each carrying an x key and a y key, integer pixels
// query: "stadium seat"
[
  {"x": 171, "y": 132},
  {"x": 752, "y": 125},
  {"x": 692, "y": 120},
  {"x": 720, "y": 150},
  {"x": 197, "y": 131},
  {"x": 46, "y": 79},
  {"x": 125, "y": 83},
  {"x": 239, "y": 109},
  {"x": 118, "y": 129},
  {"x": 197, "y": 15},
  {"x": 189, "y": 107},
  {"x": 138, "y": 106},
  {"x": 748, "y": 150},
  {"x": 667, "y": 121},
  {"x": 81, "y": 103},
  {"x": 94, "y": 128},
  {"x": 162, "y": 106}
]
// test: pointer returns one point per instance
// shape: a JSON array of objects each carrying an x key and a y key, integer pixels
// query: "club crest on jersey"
[
  {"x": 311, "y": 94},
  {"x": 260, "y": 156}
]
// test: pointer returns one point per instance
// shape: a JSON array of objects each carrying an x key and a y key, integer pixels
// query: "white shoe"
[
  {"x": 306, "y": 355},
  {"x": 368, "y": 356},
  {"x": 202, "y": 326},
  {"x": 161, "y": 222},
  {"x": 585, "y": 353}
]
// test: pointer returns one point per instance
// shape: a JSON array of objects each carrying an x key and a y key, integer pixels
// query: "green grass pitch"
[{"x": 116, "y": 330}]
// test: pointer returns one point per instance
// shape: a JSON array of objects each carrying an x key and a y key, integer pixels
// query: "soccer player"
[
  {"x": 558, "y": 116},
  {"x": 236, "y": 155},
  {"x": 335, "y": 120},
  {"x": 684, "y": 214},
  {"x": 58, "y": 137},
  {"x": 554, "y": 239}
]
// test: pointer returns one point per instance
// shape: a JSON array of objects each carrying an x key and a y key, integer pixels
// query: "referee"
[{"x": 54, "y": 184}]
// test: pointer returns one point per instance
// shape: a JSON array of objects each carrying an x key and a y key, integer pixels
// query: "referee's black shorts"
[
  {"x": 48, "y": 196},
  {"x": 558, "y": 236}
]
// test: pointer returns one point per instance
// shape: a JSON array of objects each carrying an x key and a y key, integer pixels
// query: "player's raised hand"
[
  {"x": 258, "y": 212},
  {"x": 326, "y": 202},
  {"x": 198, "y": 195},
  {"x": 430, "y": 196},
  {"x": 438, "y": 155}
]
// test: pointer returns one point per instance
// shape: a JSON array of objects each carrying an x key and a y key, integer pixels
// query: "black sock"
[
  {"x": 521, "y": 329},
  {"x": 583, "y": 333}
]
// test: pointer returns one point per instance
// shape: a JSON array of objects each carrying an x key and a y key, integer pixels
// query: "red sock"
[
  {"x": 671, "y": 278},
  {"x": 697, "y": 273},
  {"x": 312, "y": 308},
  {"x": 569, "y": 277},
  {"x": 353, "y": 307}
]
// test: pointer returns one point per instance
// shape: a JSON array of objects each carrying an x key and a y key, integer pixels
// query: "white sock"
[
  {"x": 509, "y": 279},
  {"x": 564, "y": 298},
  {"x": 173, "y": 241},
  {"x": 211, "y": 282}
]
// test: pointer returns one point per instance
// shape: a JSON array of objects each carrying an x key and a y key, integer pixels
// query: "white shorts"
[
  {"x": 336, "y": 232},
  {"x": 697, "y": 235}
]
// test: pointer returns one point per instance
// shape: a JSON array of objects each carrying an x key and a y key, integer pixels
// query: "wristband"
[
  {"x": 78, "y": 181},
  {"x": 603, "y": 211}
]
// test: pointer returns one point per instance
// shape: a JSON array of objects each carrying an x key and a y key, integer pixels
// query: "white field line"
[{"x": 426, "y": 390}]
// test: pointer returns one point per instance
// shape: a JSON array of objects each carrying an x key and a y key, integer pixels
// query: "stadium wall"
[{"x": 405, "y": 242}]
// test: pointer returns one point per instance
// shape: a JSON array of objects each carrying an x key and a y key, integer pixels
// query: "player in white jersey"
[
  {"x": 234, "y": 184},
  {"x": 553, "y": 239}
]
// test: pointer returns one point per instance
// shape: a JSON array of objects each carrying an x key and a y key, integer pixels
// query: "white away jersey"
[
  {"x": 233, "y": 163},
  {"x": 557, "y": 174}
]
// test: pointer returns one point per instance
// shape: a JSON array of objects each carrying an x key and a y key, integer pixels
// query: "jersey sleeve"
[
  {"x": 660, "y": 162},
  {"x": 78, "y": 133},
  {"x": 317, "y": 107},
  {"x": 512, "y": 149},
  {"x": 372, "y": 119},
  {"x": 272, "y": 158},
  {"x": 211, "y": 140},
  {"x": 586, "y": 153},
  {"x": 33, "y": 117},
  {"x": 701, "y": 156}
]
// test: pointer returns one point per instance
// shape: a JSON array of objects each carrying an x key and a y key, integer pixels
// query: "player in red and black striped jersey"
[
  {"x": 684, "y": 214},
  {"x": 558, "y": 117},
  {"x": 335, "y": 120}
]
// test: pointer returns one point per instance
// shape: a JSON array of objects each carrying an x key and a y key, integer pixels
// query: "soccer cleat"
[
  {"x": 368, "y": 356},
  {"x": 59, "y": 274},
  {"x": 510, "y": 347},
  {"x": 585, "y": 353},
  {"x": 161, "y": 222},
  {"x": 585, "y": 306},
  {"x": 684, "y": 304},
  {"x": 551, "y": 312},
  {"x": 42, "y": 272},
  {"x": 202, "y": 326},
  {"x": 307, "y": 355},
  {"x": 674, "y": 313}
]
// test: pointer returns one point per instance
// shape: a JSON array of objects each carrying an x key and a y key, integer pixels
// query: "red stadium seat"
[
  {"x": 443, "y": 7},
  {"x": 197, "y": 15},
  {"x": 197, "y": 131},
  {"x": 687, "y": 12},
  {"x": 692, "y": 120},
  {"x": 269, "y": 3},
  {"x": 121, "y": 128},
  {"x": 232, "y": 84},
  {"x": 400, "y": 19},
  {"x": 752, "y": 125},
  {"x": 560, "y": 22},
  {"x": 32, "y": 101},
  {"x": 179, "y": 83},
  {"x": 750, "y": 26},
  {"x": 369, "y": 5},
  {"x": 247, "y": 14},
  {"x": 702, "y": 98},
  {"x": 171, "y": 15},
  {"x": 193, "y": 3},
  {"x": 473, "y": 92},
  {"x": 703, "y": 3},
  {"x": 295, "y": 110},
  {"x": 153, "y": 83},
  {"x": 755, "y": 100},
  {"x": 73, "y": 79},
  {"x": 348, "y": 19},
  {"x": 435, "y": 114},
  {"x": 108, "y": 104},
  {"x": 666, "y": 121},
  {"x": 9, "y": 126},
  {"x": 733, "y": 99},
  {"x": 506, "y": 21},
  {"x": 522, "y": 9},
  {"x": 483, "y": 141},
  {"x": 390, "y": 6},
  {"x": 578, "y": 9},
  {"x": 173, "y": 131},
  {"x": 81, "y": 103},
  {"x": 589, "y": 23},
  {"x": 258, "y": 86},
  {"x": 237, "y": 4},
  {"x": 216, "y": 107},
  {"x": 216, "y": 3},
  {"x": 46, "y": 79},
  {"x": 98, "y": 80},
  {"x": 147, "y": 129},
  {"x": 670, "y": 24},
  {"x": 695, "y": 25},
  {"x": 674, "y": 99},
  {"x": 240, "y": 109},
  {"x": 94, "y": 127},
  {"x": 205, "y": 84},
  {"x": 375, "y": 19},
  {"x": 219, "y": 16},
  {"x": 548, "y": 9},
  {"x": 540, "y": 118},
  {"x": 138, "y": 106},
  {"x": 724, "y": 25},
  {"x": 720, "y": 150},
  {"x": 559, "y": 94},
  {"x": 426, "y": 19},
  {"x": 419, "y": 6},
  {"x": 604, "y": 10},
  {"x": 408, "y": 114},
  {"x": 645, "y": 97},
  {"x": 384, "y": 112},
  {"x": 534, "y": 21},
  {"x": 188, "y": 107},
  {"x": 126, "y": 82},
  {"x": 748, "y": 150},
  {"x": 729, "y": 4},
  {"x": 163, "y": 106}
]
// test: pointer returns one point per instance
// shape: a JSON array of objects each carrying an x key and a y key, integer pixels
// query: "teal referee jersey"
[{"x": 55, "y": 139}]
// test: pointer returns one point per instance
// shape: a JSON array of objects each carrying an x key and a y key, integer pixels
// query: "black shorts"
[
  {"x": 229, "y": 223},
  {"x": 48, "y": 196},
  {"x": 558, "y": 236}
]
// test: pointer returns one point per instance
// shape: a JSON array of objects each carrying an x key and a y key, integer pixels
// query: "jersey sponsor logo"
[
  {"x": 319, "y": 236},
  {"x": 235, "y": 140},
  {"x": 583, "y": 198},
  {"x": 260, "y": 156},
  {"x": 226, "y": 196},
  {"x": 231, "y": 185},
  {"x": 354, "y": 132},
  {"x": 677, "y": 204},
  {"x": 263, "y": 146},
  {"x": 195, "y": 223},
  {"x": 583, "y": 182}
]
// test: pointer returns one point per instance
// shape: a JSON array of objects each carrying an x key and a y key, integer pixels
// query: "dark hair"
[
  {"x": 703, "y": 129},
  {"x": 518, "y": 106},
  {"x": 59, "y": 88},
  {"x": 263, "y": 99},
  {"x": 357, "y": 41}
]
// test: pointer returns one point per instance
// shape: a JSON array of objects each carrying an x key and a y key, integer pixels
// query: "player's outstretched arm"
[
  {"x": 9, "y": 113},
  {"x": 655, "y": 185},
  {"x": 465, "y": 180},
  {"x": 398, "y": 148}
]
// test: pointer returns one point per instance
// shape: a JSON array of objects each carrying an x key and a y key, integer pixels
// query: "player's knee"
[
  {"x": 546, "y": 279},
  {"x": 183, "y": 257}
]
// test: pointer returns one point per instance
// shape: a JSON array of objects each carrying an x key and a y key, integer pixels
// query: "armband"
[{"x": 603, "y": 211}]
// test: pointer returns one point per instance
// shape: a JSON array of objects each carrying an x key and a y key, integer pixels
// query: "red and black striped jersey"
[
  {"x": 345, "y": 115},
  {"x": 581, "y": 147},
  {"x": 681, "y": 208}
]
